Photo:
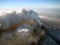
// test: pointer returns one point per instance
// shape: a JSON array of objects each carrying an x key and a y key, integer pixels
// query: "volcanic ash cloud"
[{"x": 9, "y": 17}]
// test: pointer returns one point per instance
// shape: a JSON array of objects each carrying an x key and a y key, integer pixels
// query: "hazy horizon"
[{"x": 16, "y": 4}]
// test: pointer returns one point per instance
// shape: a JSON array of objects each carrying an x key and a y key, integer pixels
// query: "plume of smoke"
[
  {"x": 23, "y": 35},
  {"x": 14, "y": 16}
]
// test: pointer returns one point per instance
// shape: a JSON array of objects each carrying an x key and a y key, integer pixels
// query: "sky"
[{"x": 14, "y": 4}]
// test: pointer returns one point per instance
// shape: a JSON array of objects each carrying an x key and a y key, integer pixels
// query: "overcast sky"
[{"x": 14, "y": 4}]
